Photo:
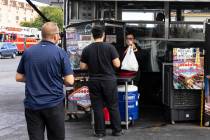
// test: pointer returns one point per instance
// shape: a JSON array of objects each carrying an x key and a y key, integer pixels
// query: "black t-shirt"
[{"x": 98, "y": 56}]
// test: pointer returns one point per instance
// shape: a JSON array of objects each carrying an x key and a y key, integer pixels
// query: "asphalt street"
[{"x": 13, "y": 125}]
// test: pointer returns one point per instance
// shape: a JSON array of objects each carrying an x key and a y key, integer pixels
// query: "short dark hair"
[
  {"x": 131, "y": 33},
  {"x": 97, "y": 31}
]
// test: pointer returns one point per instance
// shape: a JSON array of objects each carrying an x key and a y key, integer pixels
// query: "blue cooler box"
[{"x": 133, "y": 97}]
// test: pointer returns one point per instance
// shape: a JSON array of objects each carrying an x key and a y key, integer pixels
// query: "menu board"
[
  {"x": 81, "y": 96},
  {"x": 188, "y": 68},
  {"x": 111, "y": 38},
  {"x": 76, "y": 41}
]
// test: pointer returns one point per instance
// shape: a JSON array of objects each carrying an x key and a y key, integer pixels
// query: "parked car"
[{"x": 8, "y": 49}]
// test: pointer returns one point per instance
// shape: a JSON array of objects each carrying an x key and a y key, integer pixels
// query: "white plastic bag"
[{"x": 129, "y": 62}]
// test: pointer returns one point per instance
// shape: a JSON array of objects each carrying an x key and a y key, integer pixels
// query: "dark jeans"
[
  {"x": 51, "y": 118},
  {"x": 104, "y": 93}
]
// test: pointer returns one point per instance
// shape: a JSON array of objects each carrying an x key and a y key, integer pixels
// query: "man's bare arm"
[
  {"x": 116, "y": 62},
  {"x": 69, "y": 80},
  {"x": 20, "y": 77},
  {"x": 83, "y": 66}
]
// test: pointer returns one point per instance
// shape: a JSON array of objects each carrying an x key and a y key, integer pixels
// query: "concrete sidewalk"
[
  {"x": 82, "y": 131},
  {"x": 13, "y": 126}
]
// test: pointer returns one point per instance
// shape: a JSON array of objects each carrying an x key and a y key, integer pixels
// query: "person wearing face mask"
[
  {"x": 140, "y": 54},
  {"x": 44, "y": 68}
]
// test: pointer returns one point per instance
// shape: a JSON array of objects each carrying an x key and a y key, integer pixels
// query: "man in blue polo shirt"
[{"x": 45, "y": 68}]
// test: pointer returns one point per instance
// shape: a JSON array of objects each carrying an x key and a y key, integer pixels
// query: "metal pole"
[
  {"x": 70, "y": 12},
  {"x": 202, "y": 104},
  {"x": 167, "y": 20},
  {"x": 92, "y": 121},
  {"x": 77, "y": 4},
  {"x": 37, "y": 10},
  {"x": 94, "y": 10},
  {"x": 65, "y": 12},
  {"x": 201, "y": 122},
  {"x": 126, "y": 104},
  {"x": 163, "y": 80},
  {"x": 116, "y": 10}
]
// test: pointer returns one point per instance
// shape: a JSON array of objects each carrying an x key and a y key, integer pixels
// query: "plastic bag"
[{"x": 129, "y": 62}]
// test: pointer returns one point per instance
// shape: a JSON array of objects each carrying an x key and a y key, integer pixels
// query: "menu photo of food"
[
  {"x": 188, "y": 68},
  {"x": 75, "y": 43}
]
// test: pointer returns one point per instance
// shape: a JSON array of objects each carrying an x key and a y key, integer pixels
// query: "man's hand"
[
  {"x": 20, "y": 77},
  {"x": 133, "y": 46},
  {"x": 69, "y": 80},
  {"x": 83, "y": 66}
]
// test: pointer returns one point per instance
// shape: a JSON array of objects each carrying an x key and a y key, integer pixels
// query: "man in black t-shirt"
[{"x": 100, "y": 59}]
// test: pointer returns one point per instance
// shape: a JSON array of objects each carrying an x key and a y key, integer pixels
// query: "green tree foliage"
[{"x": 54, "y": 14}]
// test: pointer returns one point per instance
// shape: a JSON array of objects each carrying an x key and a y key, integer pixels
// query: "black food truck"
[{"x": 175, "y": 34}]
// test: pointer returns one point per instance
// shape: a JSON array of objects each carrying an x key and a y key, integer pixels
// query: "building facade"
[
  {"x": 13, "y": 12},
  {"x": 56, "y": 2}
]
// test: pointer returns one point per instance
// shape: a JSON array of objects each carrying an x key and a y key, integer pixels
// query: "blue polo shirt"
[{"x": 44, "y": 65}]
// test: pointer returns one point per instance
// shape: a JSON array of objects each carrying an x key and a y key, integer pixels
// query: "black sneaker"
[
  {"x": 120, "y": 133},
  {"x": 100, "y": 135}
]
